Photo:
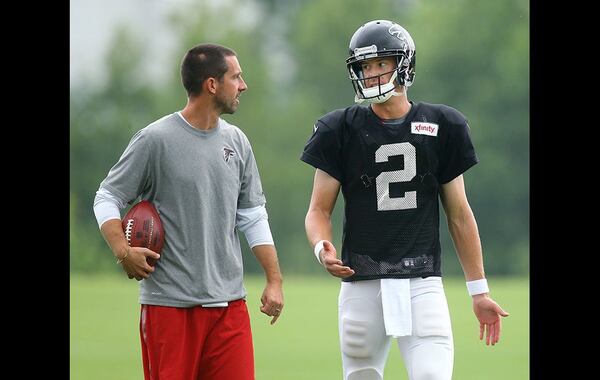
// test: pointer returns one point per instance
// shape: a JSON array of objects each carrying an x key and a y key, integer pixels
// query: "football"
[{"x": 143, "y": 228}]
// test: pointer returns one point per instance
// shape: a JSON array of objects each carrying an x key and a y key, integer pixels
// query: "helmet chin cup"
[{"x": 376, "y": 94}]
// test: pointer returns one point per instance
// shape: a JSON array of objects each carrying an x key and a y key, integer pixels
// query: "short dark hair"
[{"x": 202, "y": 62}]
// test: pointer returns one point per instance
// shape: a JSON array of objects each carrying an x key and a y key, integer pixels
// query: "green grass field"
[{"x": 303, "y": 344}]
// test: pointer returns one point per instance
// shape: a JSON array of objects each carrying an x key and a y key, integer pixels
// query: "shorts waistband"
[{"x": 216, "y": 304}]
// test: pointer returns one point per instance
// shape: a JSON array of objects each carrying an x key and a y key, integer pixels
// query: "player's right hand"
[
  {"x": 334, "y": 265},
  {"x": 136, "y": 263}
]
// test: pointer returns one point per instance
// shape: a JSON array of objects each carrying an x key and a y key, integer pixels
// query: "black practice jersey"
[{"x": 390, "y": 177}]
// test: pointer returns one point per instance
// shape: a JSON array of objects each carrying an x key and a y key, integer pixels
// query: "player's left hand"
[
  {"x": 272, "y": 301},
  {"x": 488, "y": 312}
]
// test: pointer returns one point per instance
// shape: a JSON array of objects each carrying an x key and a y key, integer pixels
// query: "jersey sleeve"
[
  {"x": 323, "y": 150},
  {"x": 128, "y": 178},
  {"x": 251, "y": 192},
  {"x": 458, "y": 153}
]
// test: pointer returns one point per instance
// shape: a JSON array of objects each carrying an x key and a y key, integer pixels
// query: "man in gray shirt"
[{"x": 200, "y": 173}]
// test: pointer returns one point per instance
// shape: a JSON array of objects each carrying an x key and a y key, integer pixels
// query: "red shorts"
[{"x": 197, "y": 343}]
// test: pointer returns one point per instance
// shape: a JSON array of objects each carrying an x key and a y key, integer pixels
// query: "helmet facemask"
[{"x": 380, "y": 92}]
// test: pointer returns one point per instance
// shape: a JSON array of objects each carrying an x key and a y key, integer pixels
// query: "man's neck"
[
  {"x": 395, "y": 107},
  {"x": 200, "y": 115}
]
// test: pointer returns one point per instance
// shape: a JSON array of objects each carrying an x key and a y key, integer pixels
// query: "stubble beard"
[{"x": 226, "y": 107}]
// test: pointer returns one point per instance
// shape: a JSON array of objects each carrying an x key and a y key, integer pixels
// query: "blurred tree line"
[{"x": 472, "y": 55}]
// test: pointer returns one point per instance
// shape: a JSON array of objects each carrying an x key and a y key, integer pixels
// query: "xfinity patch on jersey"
[{"x": 421, "y": 128}]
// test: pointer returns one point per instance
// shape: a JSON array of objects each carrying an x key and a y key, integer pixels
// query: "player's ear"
[{"x": 211, "y": 85}]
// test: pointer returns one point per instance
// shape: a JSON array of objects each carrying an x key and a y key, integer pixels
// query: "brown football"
[{"x": 143, "y": 228}]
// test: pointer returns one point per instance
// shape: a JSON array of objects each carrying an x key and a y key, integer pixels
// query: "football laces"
[
  {"x": 151, "y": 230},
  {"x": 128, "y": 229}
]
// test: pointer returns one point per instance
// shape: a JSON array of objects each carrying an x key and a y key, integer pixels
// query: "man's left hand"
[{"x": 488, "y": 312}]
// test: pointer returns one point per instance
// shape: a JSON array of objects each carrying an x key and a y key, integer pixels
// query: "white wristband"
[
  {"x": 318, "y": 248},
  {"x": 477, "y": 287}
]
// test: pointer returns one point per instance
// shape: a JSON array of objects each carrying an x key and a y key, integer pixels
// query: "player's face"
[
  {"x": 231, "y": 86},
  {"x": 377, "y": 66}
]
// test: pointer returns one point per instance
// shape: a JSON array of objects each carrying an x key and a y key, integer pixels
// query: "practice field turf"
[{"x": 303, "y": 344}]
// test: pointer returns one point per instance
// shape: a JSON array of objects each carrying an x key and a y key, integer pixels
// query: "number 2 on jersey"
[{"x": 383, "y": 180}]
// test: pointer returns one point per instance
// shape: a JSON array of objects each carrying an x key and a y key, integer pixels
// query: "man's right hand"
[
  {"x": 136, "y": 264},
  {"x": 334, "y": 266}
]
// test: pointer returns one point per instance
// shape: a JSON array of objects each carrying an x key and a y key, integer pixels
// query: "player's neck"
[
  {"x": 200, "y": 115},
  {"x": 395, "y": 107}
]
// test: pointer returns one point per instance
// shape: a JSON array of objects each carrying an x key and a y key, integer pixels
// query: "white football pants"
[{"x": 428, "y": 353}]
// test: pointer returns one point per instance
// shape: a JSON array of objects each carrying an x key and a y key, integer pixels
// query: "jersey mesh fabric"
[{"x": 390, "y": 179}]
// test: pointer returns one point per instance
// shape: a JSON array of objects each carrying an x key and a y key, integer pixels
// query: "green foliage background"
[{"x": 472, "y": 55}]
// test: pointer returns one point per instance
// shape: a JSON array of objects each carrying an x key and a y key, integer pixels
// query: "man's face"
[
  {"x": 377, "y": 66},
  {"x": 230, "y": 87}
]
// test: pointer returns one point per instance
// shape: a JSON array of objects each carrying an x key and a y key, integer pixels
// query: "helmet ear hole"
[
  {"x": 399, "y": 65},
  {"x": 402, "y": 67}
]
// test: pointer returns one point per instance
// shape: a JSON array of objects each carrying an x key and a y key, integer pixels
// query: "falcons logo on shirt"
[{"x": 227, "y": 153}]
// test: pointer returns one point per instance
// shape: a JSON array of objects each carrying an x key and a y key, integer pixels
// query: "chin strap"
[{"x": 401, "y": 93}]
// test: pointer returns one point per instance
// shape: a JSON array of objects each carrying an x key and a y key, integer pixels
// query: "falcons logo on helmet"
[
  {"x": 227, "y": 153},
  {"x": 397, "y": 31}
]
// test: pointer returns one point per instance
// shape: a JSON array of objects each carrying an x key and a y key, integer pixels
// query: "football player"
[{"x": 392, "y": 158}]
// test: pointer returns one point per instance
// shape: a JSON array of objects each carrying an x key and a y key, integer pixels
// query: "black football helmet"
[{"x": 381, "y": 38}]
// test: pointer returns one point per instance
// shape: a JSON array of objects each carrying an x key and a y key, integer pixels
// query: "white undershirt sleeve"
[
  {"x": 107, "y": 206},
  {"x": 254, "y": 223}
]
